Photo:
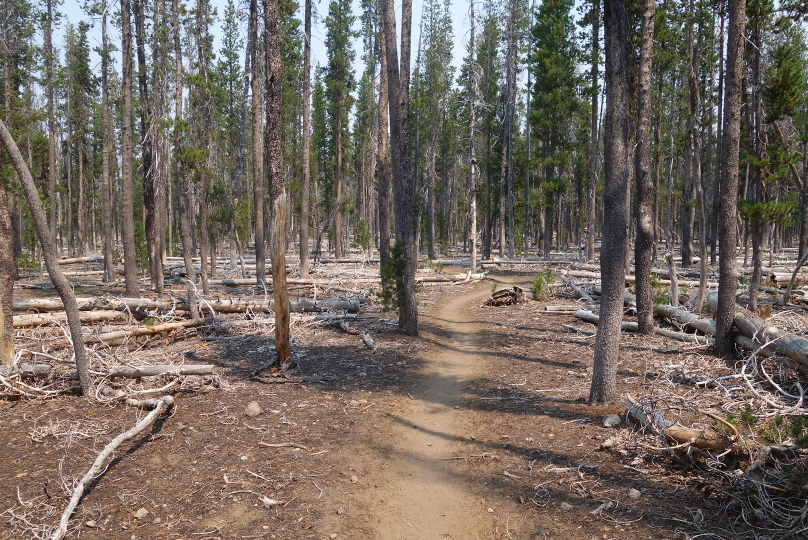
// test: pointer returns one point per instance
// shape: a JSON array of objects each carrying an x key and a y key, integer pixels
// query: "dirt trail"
[{"x": 427, "y": 494}]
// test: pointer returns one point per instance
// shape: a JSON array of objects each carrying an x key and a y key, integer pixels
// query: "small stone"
[
  {"x": 634, "y": 493},
  {"x": 354, "y": 403},
  {"x": 157, "y": 520},
  {"x": 253, "y": 409},
  {"x": 354, "y": 479},
  {"x": 608, "y": 443},
  {"x": 565, "y": 506},
  {"x": 490, "y": 510},
  {"x": 91, "y": 524},
  {"x": 363, "y": 401},
  {"x": 332, "y": 536},
  {"x": 613, "y": 420},
  {"x": 141, "y": 513}
]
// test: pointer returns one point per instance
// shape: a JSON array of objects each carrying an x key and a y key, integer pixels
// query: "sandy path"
[{"x": 426, "y": 495}]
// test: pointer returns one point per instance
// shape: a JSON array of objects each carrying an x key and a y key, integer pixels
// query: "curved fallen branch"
[{"x": 164, "y": 403}]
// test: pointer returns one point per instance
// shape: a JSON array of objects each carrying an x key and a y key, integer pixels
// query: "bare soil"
[{"x": 477, "y": 429}]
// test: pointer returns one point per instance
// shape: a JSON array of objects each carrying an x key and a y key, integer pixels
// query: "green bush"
[{"x": 542, "y": 282}]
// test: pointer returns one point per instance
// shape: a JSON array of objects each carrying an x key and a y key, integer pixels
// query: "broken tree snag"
[
  {"x": 164, "y": 404},
  {"x": 582, "y": 293},
  {"x": 24, "y": 321},
  {"x": 136, "y": 372},
  {"x": 674, "y": 285},
  {"x": 506, "y": 297},
  {"x": 673, "y": 431}
]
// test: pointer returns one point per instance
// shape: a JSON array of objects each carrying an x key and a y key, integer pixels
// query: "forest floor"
[{"x": 477, "y": 429}]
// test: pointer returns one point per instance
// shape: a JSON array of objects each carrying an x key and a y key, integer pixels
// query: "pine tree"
[{"x": 339, "y": 83}]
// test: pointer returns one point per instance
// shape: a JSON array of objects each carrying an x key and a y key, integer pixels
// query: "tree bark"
[
  {"x": 403, "y": 178},
  {"x": 304, "y": 192},
  {"x": 727, "y": 225},
  {"x": 59, "y": 281},
  {"x": 258, "y": 150},
  {"x": 607, "y": 342},
  {"x": 127, "y": 156},
  {"x": 106, "y": 186},
  {"x": 275, "y": 179},
  {"x": 591, "y": 214},
  {"x": 383, "y": 160},
  {"x": 183, "y": 193},
  {"x": 51, "y": 88},
  {"x": 645, "y": 186},
  {"x": 473, "y": 143}
]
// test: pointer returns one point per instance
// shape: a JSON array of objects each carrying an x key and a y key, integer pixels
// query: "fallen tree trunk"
[
  {"x": 790, "y": 345},
  {"x": 110, "y": 337},
  {"x": 165, "y": 403},
  {"x": 23, "y": 321},
  {"x": 26, "y": 370},
  {"x": 582, "y": 293},
  {"x": 631, "y": 326},
  {"x": 686, "y": 318},
  {"x": 229, "y": 305},
  {"x": 136, "y": 372}
]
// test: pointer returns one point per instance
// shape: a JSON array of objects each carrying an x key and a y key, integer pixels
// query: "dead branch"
[
  {"x": 165, "y": 403},
  {"x": 23, "y": 321},
  {"x": 673, "y": 430},
  {"x": 136, "y": 372},
  {"x": 582, "y": 293}
]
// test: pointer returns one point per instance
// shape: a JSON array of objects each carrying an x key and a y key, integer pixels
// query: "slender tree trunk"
[
  {"x": 276, "y": 181},
  {"x": 382, "y": 162},
  {"x": 304, "y": 194},
  {"x": 147, "y": 152},
  {"x": 258, "y": 150},
  {"x": 51, "y": 88},
  {"x": 607, "y": 342},
  {"x": 403, "y": 178},
  {"x": 127, "y": 157},
  {"x": 8, "y": 268},
  {"x": 59, "y": 281},
  {"x": 106, "y": 188},
  {"x": 338, "y": 219},
  {"x": 643, "y": 249},
  {"x": 591, "y": 212},
  {"x": 473, "y": 141},
  {"x": 184, "y": 199},
  {"x": 727, "y": 225}
]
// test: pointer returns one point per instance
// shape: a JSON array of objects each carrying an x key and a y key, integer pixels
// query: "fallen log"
[
  {"x": 790, "y": 345},
  {"x": 631, "y": 326},
  {"x": 364, "y": 335},
  {"x": 136, "y": 372},
  {"x": 229, "y": 305},
  {"x": 686, "y": 318},
  {"x": 506, "y": 297},
  {"x": 109, "y": 337},
  {"x": 23, "y": 321},
  {"x": 165, "y": 403},
  {"x": 582, "y": 293},
  {"x": 673, "y": 431},
  {"x": 26, "y": 370}
]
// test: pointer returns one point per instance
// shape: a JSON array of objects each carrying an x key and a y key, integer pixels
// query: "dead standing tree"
[
  {"x": 275, "y": 178},
  {"x": 51, "y": 262}
]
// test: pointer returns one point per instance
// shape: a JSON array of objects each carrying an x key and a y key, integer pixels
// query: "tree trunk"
[
  {"x": 183, "y": 193},
  {"x": 258, "y": 150},
  {"x": 591, "y": 213},
  {"x": 643, "y": 249},
  {"x": 147, "y": 152},
  {"x": 607, "y": 342},
  {"x": 51, "y": 88},
  {"x": 8, "y": 268},
  {"x": 473, "y": 143},
  {"x": 127, "y": 157},
  {"x": 304, "y": 193},
  {"x": 59, "y": 281},
  {"x": 106, "y": 186},
  {"x": 382, "y": 163},
  {"x": 727, "y": 225},
  {"x": 403, "y": 178},
  {"x": 275, "y": 179}
]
